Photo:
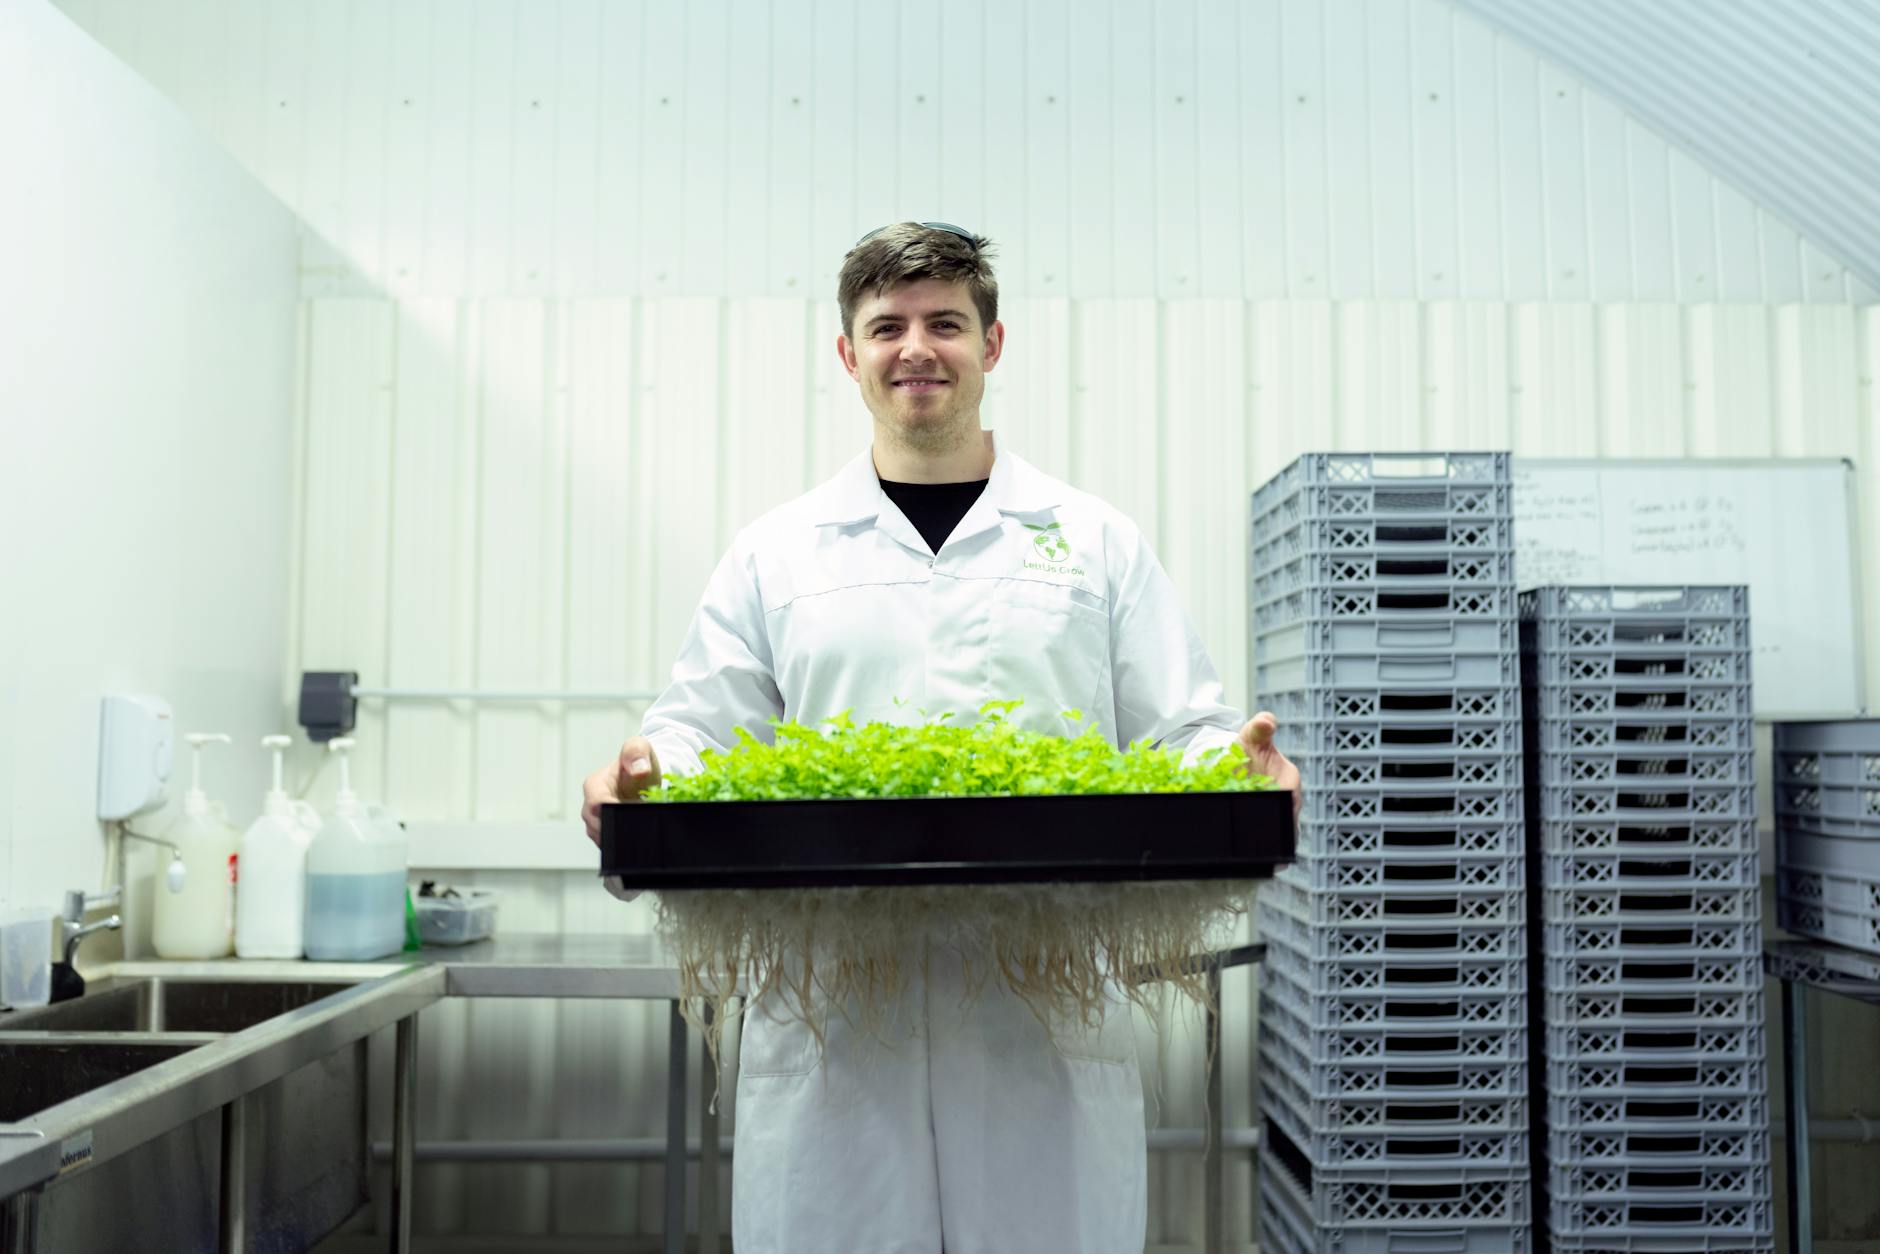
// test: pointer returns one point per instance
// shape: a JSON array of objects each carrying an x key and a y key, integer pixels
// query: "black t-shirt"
[{"x": 935, "y": 509}]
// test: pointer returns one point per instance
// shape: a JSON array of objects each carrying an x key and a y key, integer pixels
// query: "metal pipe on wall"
[{"x": 653, "y": 1149}]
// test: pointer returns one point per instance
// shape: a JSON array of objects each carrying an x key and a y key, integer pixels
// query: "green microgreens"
[{"x": 991, "y": 758}]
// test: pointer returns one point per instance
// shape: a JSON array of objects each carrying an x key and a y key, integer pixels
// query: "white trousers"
[{"x": 968, "y": 1128}]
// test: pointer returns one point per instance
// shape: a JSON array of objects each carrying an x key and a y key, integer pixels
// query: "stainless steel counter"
[
  {"x": 111, "y": 1120},
  {"x": 528, "y": 964},
  {"x": 118, "y": 1117}
]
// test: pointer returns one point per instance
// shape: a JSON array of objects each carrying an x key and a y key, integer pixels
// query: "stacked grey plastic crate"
[
  {"x": 1393, "y": 1016},
  {"x": 1828, "y": 831},
  {"x": 1652, "y": 1114}
]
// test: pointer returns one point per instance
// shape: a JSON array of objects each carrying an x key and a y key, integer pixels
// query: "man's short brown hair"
[{"x": 908, "y": 252}]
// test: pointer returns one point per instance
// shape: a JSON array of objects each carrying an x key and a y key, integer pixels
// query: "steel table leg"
[
  {"x": 707, "y": 1146},
  {"x": 1214, "y": 1201},
  {"x": 234, "y": 1207},
  {"x": 404, "y": 1129},
  {"x": 1795, "y": 1053},
  {"x": 675, "y": 1132},
  {"x": 19, "y": 1222}
]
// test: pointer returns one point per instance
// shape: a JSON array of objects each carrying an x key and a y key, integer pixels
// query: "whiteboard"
[{"x": 1784, "y": 527}]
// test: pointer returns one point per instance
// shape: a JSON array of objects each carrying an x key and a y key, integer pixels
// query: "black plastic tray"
[{"x": 947, "y": 840}]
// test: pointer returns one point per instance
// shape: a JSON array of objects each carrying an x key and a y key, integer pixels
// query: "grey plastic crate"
[
  {"x": 1642, "y": 702},
  {"x": 1625, "y": 1146},
  {"x": 1400, "y": 1198},
  {"x": 1332, "y": 1085},
  {"x": 1640, "y": 669},
  {"x": 1807, "y": 917},
  {"x": 1429, "y": 1044},
  {"x": 1633, "y": 1112},
  {"x": 1636, "y": 602},
  {"x": 1413, "y": 738},
  {"x": 1575, "y": 972},
  {"x": 1286, "y": 1227},
  {"x": 1361, "y": 670},
  {"x": 1847, "y": 857},
  {"x": 1416, "y": 468},
  {"x": 1669, "y": 902},
  {"x": 1834, "y": 770},
  {"x": 1646, "y": 802},
  {"x": 1391, "y": 507},
  {"x": 1439, "y": 533},
  {"x": 1387, "y": 803},
  {"x": 1687, "y": 938},
  {"x": 1828, "y": 810},
  {"x": 1674, "y": 1041},
  {"x": 1708, "y": 1216},
  {"x": 1405, "y": 904},
  {"x": 1387, "y": 840},
  {"x": 1432, "y": 570},
  {"x": 1347, "y": 485},
  {"x": 1620, "y": 1243},
  {"x": 1320, "y": 942},
  {"x": 1393, "y": 707},
  {"x": 1487, "y": 1133},
  {"x": 1837, "y": 890},
  {"x": 1590, "y": 632},
  {"x": 1409, "y": 870},
  {"x": 1832, "y": 736},
  {"x": 1318, "y": 639},
  {"x": 1650, "y": 767},
  {"x": 1396, "y": 606},
  {"x": 1388, "y": 975},
  {"x": 1445, "y": 1110},
  {"x": 1688, "y": 1176},
  {"x": 1658, "y": 1077},
  {"x": 1414, "y": 770},
  {"x": 1653, "y": 872},
  {"x": 1725, "y": 732},
  {"x": 1413, "y": 1011},
  {"x": 1651, "y": 1008},
  {"x": 1609, "y": 836}
]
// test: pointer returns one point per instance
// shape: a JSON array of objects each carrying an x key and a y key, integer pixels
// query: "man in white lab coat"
[{"x": 935, "y": 572}]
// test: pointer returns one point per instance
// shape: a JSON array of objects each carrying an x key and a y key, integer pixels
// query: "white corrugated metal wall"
[{"x": 564, "y": 333}]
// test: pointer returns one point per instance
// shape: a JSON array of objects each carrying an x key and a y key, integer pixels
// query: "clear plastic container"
[
  {"x": 456, "y": 920},
  {"x": 25, "y": 958}
]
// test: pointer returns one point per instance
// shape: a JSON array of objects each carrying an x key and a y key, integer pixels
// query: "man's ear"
[
  {"x": 846, "y": 351},
  {"x": 995, "y": 344}
]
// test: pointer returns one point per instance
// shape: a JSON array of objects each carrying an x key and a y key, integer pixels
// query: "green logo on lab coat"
[{"x": 1050, "y": 543}]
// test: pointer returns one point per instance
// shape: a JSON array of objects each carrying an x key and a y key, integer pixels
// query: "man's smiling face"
[{"x": 921, "y": 359}]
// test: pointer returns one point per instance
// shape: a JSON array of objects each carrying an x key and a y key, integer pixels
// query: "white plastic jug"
[
  {"x": 355, "y": 880},
  {"x": 194, "y": 915},
  {"x": 271, "y": 880}
]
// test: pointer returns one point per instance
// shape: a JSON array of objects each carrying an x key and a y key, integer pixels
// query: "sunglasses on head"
[{"x": 948, "y": 227}]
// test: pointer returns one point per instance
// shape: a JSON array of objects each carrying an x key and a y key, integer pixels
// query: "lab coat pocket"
[
  {"x": 775, "y": 1044},
  {"x": 1051, "y": 647}
]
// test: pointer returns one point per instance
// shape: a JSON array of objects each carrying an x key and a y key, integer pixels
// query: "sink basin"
[
  {"x": 168, "y": 1005},
  {"x": 41, "y": 1074}
]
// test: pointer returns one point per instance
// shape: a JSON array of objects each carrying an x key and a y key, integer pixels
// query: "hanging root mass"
[{"x": 1065, "y": 950}]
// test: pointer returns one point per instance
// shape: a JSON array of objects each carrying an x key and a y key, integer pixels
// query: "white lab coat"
[{"x": 979, "y": 1123}]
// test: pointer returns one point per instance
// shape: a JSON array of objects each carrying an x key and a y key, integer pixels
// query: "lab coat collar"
[{"x": 1015, "y": 487}]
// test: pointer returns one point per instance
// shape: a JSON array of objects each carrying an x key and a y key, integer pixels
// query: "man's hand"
[
  {"x": 1263, "y": 759},
  {"x": 624, "y": 779}
]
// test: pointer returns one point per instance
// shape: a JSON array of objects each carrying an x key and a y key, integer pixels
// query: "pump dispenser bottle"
[
  {"x": 355, "y": 880},
  {"x": 271, "y": 893},
  {"x": 195, "y": 906}
]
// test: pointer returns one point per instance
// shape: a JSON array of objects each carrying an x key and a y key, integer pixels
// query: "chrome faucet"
[{"x": 77, "y": 906}]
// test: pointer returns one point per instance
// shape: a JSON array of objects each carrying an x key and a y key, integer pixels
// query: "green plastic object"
[{"x": 414, "y": 941}]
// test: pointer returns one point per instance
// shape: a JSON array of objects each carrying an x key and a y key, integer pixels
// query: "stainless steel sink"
[
  {"x": 170, "y": 1005},
  {"x": 58, "y": 1067},
  {"x": 182, "y": 1092}
]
